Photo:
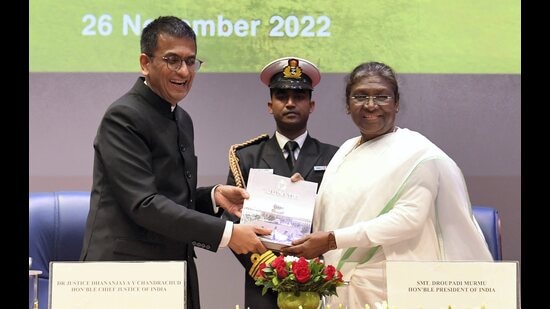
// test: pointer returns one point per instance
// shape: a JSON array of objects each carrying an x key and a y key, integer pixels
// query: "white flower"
[
  {"x": 291, "y": 258},
  {"x": 383, "y": 305}
]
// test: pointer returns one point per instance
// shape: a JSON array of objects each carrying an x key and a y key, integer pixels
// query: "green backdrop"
[{"x": 414, "y": 36}]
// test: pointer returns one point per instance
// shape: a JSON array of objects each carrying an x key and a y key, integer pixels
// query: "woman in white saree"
[{"x": 387, "y": 194}]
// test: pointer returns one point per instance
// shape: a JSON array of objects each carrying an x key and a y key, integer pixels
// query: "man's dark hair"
[{"x": 170, "y": 25}]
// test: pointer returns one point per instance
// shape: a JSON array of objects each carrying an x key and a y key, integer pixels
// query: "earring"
[{"x": 397, "y": 110}]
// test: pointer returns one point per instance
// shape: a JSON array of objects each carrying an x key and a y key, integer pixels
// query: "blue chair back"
[
  {"x": 488, "y": 219},
  {"x": 56, "y": 229}
]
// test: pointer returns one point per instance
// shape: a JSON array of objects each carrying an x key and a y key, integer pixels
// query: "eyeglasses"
[
  {"x": 361, "y": 99},
  {"x": 175, "y": 63}
]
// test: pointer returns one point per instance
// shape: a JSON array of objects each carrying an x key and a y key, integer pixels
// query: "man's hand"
[
  {"x": 230, "y": 198},
  {"x": 244, "y": 239},
  {"x": 309, "y": 246},
  {"x": 296, "y": 177}
]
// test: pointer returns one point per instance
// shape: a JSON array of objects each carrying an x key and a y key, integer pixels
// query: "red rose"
[
  {"x": 278, "y": 261},
  {"x": 281, "y": 271},
  {"x": 340, "y": 276},
  {"x": 279, "y": 265},
  {"x": 300, "y": 269},
  {"x": 260, "y": 272},
  {"x": 330, "y": 271}
]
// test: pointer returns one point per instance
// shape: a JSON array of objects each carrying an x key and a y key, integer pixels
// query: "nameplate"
[
  {"x": 115, "y": 285},
  {"x": 456, "y": 285}
]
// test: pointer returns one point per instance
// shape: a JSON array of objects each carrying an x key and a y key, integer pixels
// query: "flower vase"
[{"x": 293, "y": 300}]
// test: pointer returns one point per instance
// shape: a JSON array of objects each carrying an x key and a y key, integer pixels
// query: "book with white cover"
[{"x": 283, "y": 206}]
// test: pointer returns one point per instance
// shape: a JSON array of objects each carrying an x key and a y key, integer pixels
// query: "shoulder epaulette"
[{"x": 234, "y": 160}]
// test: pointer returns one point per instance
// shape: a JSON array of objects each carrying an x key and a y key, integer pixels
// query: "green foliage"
[{"x": 292, "y": 274}]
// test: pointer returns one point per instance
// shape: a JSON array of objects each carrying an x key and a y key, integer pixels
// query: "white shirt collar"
[{"x": 281, "y": 139}]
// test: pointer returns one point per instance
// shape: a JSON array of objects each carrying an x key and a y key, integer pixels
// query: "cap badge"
[{"x": 292, "y": 70}]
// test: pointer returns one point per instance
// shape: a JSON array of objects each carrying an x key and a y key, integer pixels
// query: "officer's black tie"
[{"x": 290, "y": 146}]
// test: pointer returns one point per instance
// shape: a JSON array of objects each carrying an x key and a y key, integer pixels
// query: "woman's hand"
[{"x": 309, "y": 246}]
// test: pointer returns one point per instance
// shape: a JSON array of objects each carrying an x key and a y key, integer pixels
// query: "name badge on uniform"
[{"x": 319, "y": 167}]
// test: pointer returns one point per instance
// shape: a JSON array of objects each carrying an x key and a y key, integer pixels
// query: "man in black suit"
[
  {"x": 291, "y": 81},
  {"x": 145, "y": 204}
]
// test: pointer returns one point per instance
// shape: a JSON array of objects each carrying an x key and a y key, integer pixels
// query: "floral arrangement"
[{"x": 293, "y": 274}]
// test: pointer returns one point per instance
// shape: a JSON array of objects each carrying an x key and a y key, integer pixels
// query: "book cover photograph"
[{"x": 283, "y": 206}]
